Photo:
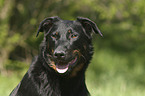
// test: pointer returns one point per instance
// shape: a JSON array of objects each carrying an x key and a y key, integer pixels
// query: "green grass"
[
  {"x": 107, "y": 85},
  {"x": 113, "y": 74},
  {"x": 10, "y": 81},
  {"x": 7, "y": 84}
]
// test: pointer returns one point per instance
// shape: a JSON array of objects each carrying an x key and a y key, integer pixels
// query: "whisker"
[{"x": 84, "y": 57}]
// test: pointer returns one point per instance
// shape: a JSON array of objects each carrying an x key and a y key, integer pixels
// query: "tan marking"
[
  {"x": 52, "y": 65},
  {"x": 76, "y": 70},
  {"x": 69, "y": 31},
  {"x": 56, "y": 33}
]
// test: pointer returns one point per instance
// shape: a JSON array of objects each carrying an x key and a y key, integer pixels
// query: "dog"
[{"x": 65, "y": 53}]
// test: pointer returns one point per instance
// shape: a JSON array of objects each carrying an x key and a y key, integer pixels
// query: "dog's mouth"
[{"x": 62, "y": 66}]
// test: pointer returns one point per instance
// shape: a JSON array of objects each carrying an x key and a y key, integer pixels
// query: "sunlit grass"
[
  {"x": 109, "y": 75},
  {"x": 7, "y": 84},
  {"x": 113, "y": 86}
]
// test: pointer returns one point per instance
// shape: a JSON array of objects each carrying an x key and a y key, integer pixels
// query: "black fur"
[{"x": 65, "y": 53}]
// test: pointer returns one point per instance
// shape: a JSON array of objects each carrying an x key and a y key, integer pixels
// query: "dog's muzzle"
[{"x": 60, "y": 65}]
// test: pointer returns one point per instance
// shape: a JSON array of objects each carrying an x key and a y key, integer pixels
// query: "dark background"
[{"x": 118, "y": 65}]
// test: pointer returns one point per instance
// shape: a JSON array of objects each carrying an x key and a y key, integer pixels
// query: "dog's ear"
[
  {"x": 89, "y": 25},
  {"x": 46, "y": 24}
]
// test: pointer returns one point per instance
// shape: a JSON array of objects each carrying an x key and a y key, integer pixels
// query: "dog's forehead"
[{"x": 65, "y": 25}]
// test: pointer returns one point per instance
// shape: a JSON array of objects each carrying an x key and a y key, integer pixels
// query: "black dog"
[{"x": 65, "y": 53}]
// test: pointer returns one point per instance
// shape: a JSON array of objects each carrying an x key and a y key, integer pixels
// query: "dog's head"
[{"x": 67, "y": 44}]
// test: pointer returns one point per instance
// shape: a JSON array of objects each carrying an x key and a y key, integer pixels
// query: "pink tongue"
[{"x": 61, "y": 70}]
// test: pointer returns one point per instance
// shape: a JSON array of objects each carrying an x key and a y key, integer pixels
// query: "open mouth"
[{"x": 62, "y": 67}]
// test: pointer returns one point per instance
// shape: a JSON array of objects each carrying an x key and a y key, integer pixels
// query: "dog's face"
[
  {"x": 67, "y": 43},
  {"x": 63, "y": 45}
]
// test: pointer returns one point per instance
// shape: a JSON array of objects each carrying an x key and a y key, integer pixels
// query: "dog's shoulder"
[{"x": 25, "y": 88}]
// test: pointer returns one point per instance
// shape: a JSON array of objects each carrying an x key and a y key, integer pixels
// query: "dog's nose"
[{"x": 59, "y": 54}]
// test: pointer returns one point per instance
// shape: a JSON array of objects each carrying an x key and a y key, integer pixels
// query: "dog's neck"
[
  {"x": 62, "y": 85},
  {"x": 73, "y": 85},
  {"x": 68, "y": 86}
]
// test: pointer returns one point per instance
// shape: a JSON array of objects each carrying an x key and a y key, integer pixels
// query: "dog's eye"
[
  {"x": 55, "y": 35},
  {"x": 74, "y": 36}
]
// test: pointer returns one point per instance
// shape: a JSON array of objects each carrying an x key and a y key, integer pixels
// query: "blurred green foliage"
[{"x": 118, "y": 65}]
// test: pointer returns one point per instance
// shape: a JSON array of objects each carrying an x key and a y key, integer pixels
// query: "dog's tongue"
[{"x": 61, "y": 68}]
